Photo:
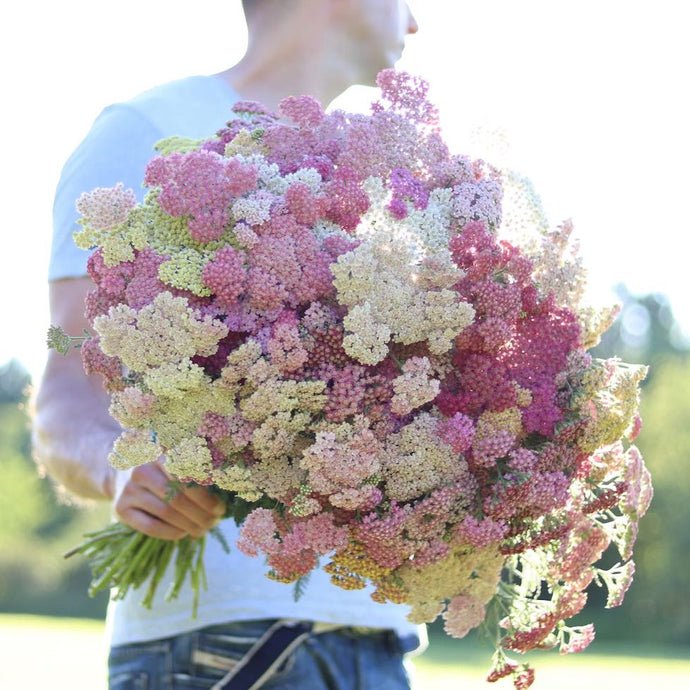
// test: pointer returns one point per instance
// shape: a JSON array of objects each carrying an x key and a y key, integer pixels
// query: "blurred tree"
[
  {"x": 645, "y": 331},
  {"x": 656, "y": 608},
  {"x": 14, "y": 381},
  {"x": 661, "y": 597},
  {"x": 36, "y": 526}
]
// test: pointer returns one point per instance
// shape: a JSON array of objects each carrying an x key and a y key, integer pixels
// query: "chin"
[
  {"x": 392, "y": 59},
  {"x": 389, "y": 61}
]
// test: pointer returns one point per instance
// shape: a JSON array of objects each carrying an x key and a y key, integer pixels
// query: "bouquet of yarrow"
[{"x": 319, "y": 317}]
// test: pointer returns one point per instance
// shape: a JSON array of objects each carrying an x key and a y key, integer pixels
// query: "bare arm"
[
  {"x": 73, "y": 432},
  {"x": 73, "y": 436}
]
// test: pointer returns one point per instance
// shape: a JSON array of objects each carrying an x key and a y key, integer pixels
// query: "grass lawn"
[
  {"x": 68, "y": 654},
  {"x": 463, "y": 664}
]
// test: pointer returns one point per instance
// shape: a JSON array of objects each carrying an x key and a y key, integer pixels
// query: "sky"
[{"x": 588, "y": 99}]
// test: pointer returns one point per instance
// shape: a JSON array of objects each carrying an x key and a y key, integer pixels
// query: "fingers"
[
  {"x": 138, "y": 518},
  {"x": 145, "y": 504}
]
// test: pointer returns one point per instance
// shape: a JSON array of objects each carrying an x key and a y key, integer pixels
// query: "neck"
[
  {"x": 269, "y": 82},
  {"x": 287, "y": 59}
]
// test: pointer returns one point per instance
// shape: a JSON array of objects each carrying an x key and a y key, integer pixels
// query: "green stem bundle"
[{"x": 122, "y": 558}]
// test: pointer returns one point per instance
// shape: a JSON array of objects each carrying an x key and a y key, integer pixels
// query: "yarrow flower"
[{"x": 315, "y": 315}]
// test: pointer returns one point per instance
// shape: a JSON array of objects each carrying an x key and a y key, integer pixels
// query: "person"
[{"x": 319, "y": 47}]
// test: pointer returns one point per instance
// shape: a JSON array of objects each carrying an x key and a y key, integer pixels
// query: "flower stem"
[{"x": 123, "y": 558}]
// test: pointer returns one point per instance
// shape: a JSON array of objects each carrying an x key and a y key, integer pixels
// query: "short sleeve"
[{"x": 116, "y": 149}]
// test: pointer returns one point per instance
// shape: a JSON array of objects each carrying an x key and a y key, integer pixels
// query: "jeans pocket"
[
  {"x": 136, "y": 666},
  {"x": 214, "y": 653},
  {"x": 129, "y": 681}
]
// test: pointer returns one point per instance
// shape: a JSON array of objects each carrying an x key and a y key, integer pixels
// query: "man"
[{"x": 318, "y": 47}]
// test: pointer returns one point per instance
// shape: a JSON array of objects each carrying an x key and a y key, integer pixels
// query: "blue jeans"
[{"x": 344, "y": 659}]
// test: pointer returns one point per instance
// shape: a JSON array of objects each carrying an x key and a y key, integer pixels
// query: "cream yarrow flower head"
[
  {"x": 414, "y": 387},
  {"x": 174, "y": 379},
  {"x": 379, "y": 283},
  {"x": 190, "y": 460},
  {"x": 415, "y": 460},
  {"x": 237, "y": 479},
  {"x": 245, "y": 144},
  {"x": 176, "y": 144},
  {"x": 367, "y": 340},
  {"x": 134, "y": 448},
  {"x": 184, "y": 271},
  {"x": 162, "y": 333}
]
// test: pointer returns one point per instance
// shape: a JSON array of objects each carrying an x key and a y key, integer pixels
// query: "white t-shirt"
[{"x": 117, "y": 149}]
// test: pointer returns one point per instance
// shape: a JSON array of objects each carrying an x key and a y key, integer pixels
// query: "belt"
[
  {"x": 267, "y": 653},
  {"x": 274, "y": 646}
]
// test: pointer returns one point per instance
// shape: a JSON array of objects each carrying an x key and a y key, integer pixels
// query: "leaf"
[
  {"x": 300, "y": 587},
  {"x": 220, "y": 537}
]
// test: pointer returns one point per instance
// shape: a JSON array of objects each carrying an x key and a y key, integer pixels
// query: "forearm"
[
  {"x": 73, "y": 435},
  {"x": 77, "y": 462}
]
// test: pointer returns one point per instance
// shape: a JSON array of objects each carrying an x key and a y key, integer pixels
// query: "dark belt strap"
[{"x": 259, "y": 663}]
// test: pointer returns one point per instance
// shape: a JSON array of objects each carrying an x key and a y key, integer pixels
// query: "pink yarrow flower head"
[
  {"x": 106, "y": 207},
  {"x": 225, "y": 275},
  {"x": 304, "y": 111},
  {"x": 200, "y": 185},
  {"x": 462, "y": 615},
  {"x": 406, "y": 95}
]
